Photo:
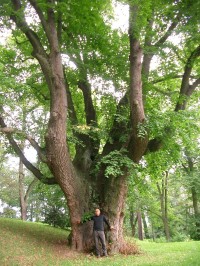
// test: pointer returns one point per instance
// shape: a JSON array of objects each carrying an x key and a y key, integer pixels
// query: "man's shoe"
[{"x": 105, "y": 255}]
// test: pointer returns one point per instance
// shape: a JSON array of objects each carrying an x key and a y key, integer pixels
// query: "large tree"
[{"x": 96, "y": 170}]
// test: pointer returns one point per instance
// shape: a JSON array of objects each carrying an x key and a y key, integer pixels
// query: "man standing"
[
  {"x": 99, "y": 234},
  {"x": 98, "y": 230}
]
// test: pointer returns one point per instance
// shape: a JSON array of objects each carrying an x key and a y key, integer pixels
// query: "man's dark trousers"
[{"x": 100, "y": 235}]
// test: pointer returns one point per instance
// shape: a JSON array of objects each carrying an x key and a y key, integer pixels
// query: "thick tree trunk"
[{"x": 112, "y": 201}]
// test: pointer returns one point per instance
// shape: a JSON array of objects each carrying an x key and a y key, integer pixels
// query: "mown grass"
[{"x": 25, "y": 243}]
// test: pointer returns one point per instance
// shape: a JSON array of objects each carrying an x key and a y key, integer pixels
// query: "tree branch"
[
  {"x": 186, "y": 89},
  {"x": 19, "y": 18},
  {"x": 193, "y": 87},
  {"x": 38, "y": 50},
  {"x": 136, "y": 145},
  {"x": 169, "y": 31},
  {"x": 9, "y": 130},
  {"x": 41, "y": 16},
  {"x": 89, "y": 107},
  {"x": 119, "y": 125},
  {"x": 30, "y": 187},
  {"x": 70, "y": 104},
  {"x": 18, "y": 151}
]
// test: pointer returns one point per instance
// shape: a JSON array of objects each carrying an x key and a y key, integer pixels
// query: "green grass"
[{"x": 25, "y": 243}]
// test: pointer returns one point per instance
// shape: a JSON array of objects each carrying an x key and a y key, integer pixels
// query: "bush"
[{"x": 57, "y": 218}]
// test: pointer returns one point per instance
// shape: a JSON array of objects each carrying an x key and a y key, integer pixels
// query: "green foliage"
[
  {"x": 56, "y": 218},
  {"x": 116, "y": 162},
  {"x": 86, "y": 217}
]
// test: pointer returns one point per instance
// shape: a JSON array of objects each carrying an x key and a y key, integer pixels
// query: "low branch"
[
  {"x": 32, "y": 141},
  {"x": 36, "y": 172}
]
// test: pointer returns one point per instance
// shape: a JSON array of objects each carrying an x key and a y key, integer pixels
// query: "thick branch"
[
  {"x": 18, "y": 17},
  {"x": 71, "y": 109},
  {"x": 38, "y": 50},
  {"x": 89, "y": 107},
  {"x": 119, "y": 126},
  {"x": 186, "y": 89},
  {"x": 137, "y": 145},
  {"x": 148, "y": 55},
  {"x": 48, "y": 25}
]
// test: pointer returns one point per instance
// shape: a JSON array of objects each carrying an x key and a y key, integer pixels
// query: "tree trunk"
[
  {"x": 133, "y": 221},
  {"x": 23, "y": 203},
  {"x": 140, "y": 229},
  {"x": 189, "y": 170},
  {"x": 196, "y": 212},
  {"x": 163, "y": 204},
  {"x": 112, "y": 202},
  {"x": 146, "y": 232},
  {"x": 75, "y": 184}
]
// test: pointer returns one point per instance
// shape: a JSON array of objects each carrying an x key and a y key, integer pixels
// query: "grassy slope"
[{"x": 24, "y": 243}]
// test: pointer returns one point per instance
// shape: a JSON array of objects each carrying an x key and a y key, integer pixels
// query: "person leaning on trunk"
[{"x": 98, "y": 231}]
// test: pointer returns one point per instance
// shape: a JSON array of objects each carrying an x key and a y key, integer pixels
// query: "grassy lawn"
[{"x": 25, "y": 243}]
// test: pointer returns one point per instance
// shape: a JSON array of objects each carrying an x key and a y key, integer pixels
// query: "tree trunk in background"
[
  {"x": 140, "y": 229},
  {"x": 133, "y": 221},
  {"x": 189, "y": 170},
  {"x": 24, "y": 194},
  {"x": 163, "y": 204},
  {"x": 146, "y": 231},
  {"x": 166, "y": 220},
  {"x": 196, "y": 212},
  {"x": 23, "y": 202}
]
